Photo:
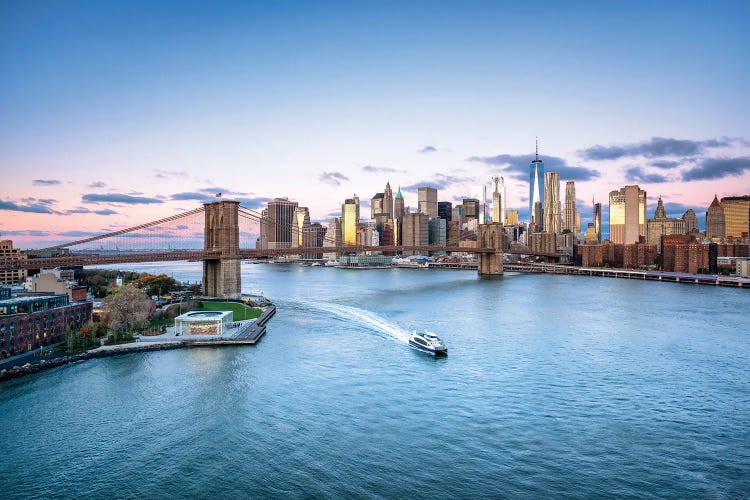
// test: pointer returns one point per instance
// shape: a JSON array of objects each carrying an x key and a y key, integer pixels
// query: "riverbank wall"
[{"x": 48, "y": 364}]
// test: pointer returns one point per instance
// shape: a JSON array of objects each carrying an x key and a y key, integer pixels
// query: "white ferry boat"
[{"x": 428, "y": 342}]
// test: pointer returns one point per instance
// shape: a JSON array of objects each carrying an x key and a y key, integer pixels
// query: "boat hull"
[{"x": 434, "y": 352}]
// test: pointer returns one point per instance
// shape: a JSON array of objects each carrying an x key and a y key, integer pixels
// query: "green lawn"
[{"x": 240, "y": 311}]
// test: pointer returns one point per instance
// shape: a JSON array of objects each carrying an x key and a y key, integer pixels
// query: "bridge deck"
[{"x": 93, "y": 259}]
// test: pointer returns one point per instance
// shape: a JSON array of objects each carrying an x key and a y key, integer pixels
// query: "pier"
[{"x": 698, "y": 279}]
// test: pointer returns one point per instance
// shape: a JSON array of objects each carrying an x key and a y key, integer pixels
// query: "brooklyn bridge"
[{"x": 221, "y": 234}]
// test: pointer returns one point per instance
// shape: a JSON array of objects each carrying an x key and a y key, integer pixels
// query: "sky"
[{"x": 113, "y": 114}]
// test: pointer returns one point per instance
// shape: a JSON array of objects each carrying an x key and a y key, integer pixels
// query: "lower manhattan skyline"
[{"x": 122, "y": 111}]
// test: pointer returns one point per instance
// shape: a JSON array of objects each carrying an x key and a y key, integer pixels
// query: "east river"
[{"x": 554, "y": 386}]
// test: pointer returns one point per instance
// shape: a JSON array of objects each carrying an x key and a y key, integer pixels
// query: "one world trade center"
[{"x": 536, "y": 190}]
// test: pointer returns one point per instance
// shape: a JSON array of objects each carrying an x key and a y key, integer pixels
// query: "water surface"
[{"x": 554, "y": 386}]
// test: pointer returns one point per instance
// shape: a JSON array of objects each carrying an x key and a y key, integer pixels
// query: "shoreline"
[{"x": 257, "y": 328}]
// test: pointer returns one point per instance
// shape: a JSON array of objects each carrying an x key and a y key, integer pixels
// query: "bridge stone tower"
[
  {"x": 221, "y": 277},
  {"x": 491, "y": 236}
]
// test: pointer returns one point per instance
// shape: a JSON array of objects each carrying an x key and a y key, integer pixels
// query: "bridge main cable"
[{"x": 171, "y": 218}]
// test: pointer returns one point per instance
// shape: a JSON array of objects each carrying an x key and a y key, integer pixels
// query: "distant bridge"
[{"x": 221, "y": 225}]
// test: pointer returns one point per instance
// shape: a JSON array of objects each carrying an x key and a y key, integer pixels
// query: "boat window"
[{"x": 421, "y": 341}]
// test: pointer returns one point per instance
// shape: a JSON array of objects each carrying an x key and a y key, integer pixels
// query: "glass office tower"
[{"x": 536, "y": 188}]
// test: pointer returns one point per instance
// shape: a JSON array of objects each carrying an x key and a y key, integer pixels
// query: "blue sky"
[{"x": 156, "y": 100}]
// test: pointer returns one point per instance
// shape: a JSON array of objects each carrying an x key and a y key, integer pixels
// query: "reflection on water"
[{"x": 584, "y": 387}]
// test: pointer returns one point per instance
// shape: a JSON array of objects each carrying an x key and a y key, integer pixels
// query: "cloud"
[
  {"x": 97, "y": 184},
  {"x": 657, "y": 147},
  {"x": 332, "y": 178},
  {"x": 439, "y": 181},
  {"x": 675, "y": 209},
  {"x": 105, "y": 211},
  {"x": 190, "y": 196},
  {"x": 163, "y": 174},
  {"x": 119, "y": 198},
  {"x": 226, "y": 192},
  {"x": 371, "y": 169},
  {"x": 519, "y": 166},
  {"x": 254, "y": 203},
  {"x": 427, "y": 149},
  {"x": 717, "y": 168},
  {"x": 77, "y": 210},
  {"x": 78, "y": 234},
  {"x": 84, "y": 210},
  {"x": 665, "y": 164},
  {"x": 34, "y": 208},
  {"x": 45, "y": 182},
  {"x": 26, "y": 232},
  {"x": 41, "y": 201},
  {"x": 637, "y": 174}
]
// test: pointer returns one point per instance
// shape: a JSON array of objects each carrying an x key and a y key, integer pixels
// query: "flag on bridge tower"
[{"x": 218, "y": 195}]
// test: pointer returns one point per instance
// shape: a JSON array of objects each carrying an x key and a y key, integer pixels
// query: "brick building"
[
  {"x": 631, "y": 256},
  {"x": 27, "y": 323},
  {"x": 692, "y": 258},
  {"x": 542, "y": 242},
  {"x": 7, "y": 252}
]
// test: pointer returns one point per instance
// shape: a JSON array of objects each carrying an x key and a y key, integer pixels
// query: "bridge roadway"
[{"x": 93, "y": 259}]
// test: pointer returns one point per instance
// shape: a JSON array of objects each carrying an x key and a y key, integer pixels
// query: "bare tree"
[{"x": 129, "y": 309}]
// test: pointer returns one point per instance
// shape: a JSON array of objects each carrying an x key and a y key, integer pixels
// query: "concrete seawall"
[{"x": 28, "y": 368}]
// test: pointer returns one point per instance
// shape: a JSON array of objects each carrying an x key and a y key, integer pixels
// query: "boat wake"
[{"x": 362, "y": 317}]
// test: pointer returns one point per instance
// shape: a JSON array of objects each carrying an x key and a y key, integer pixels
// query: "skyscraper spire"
[{"x": 537, "y": 148}]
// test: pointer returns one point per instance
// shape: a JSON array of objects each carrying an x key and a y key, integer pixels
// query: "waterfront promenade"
[{"x": 609, "y": 272}]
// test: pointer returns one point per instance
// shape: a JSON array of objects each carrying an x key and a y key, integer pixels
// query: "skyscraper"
[
  {"x": 377, "y": 205},
  {"x": 536, "y": 189},
  {"x": 415, "y": 231},
  {"x": 597, "y": 220},
  {"x": 302, "y": 220},
  {"x": 265, "y": 230},
  {"x": 388, "y": 200},
  {"x": 333, "y": 236},
  {"x": 498, "y": 200},
  {"x": 552, "y": 217},
  {"x": 570, "y": 214},
  {"x": 715, "y": 223},
  {"x": 445, "y": 209},
  {"x": 512, "y": 217},
  {"x": 398, "y": 205},
  {"x": 661, "y": 225},
  {"x": 427, "y": 199},
  {"x": 627, "y": 215},
  {"x": 313, "y": 236},
  {"x": 691, "y": 221},
  {"x": 736, "y": 215},
  {"x": 470, "y": 210},
  {"x": 350, "y": 220},
  {"x": 281, "y": 223},
  {"x": 458, "y": 214},
  {"x": 480, "y": 193}
]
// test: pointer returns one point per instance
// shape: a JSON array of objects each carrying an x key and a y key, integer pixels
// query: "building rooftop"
[
  {"x": 204, "y": 315},
  {"x": 27, "y": 299}
]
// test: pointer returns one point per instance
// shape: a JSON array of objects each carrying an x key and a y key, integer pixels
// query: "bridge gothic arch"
[
  {"x": 491, "y": 236},
  {"x": 221, "y": 277}
]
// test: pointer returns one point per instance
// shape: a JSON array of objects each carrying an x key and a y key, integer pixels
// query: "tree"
[
  {"x": 154, "y": 285},
  {"x": 129, "y": 309}
]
